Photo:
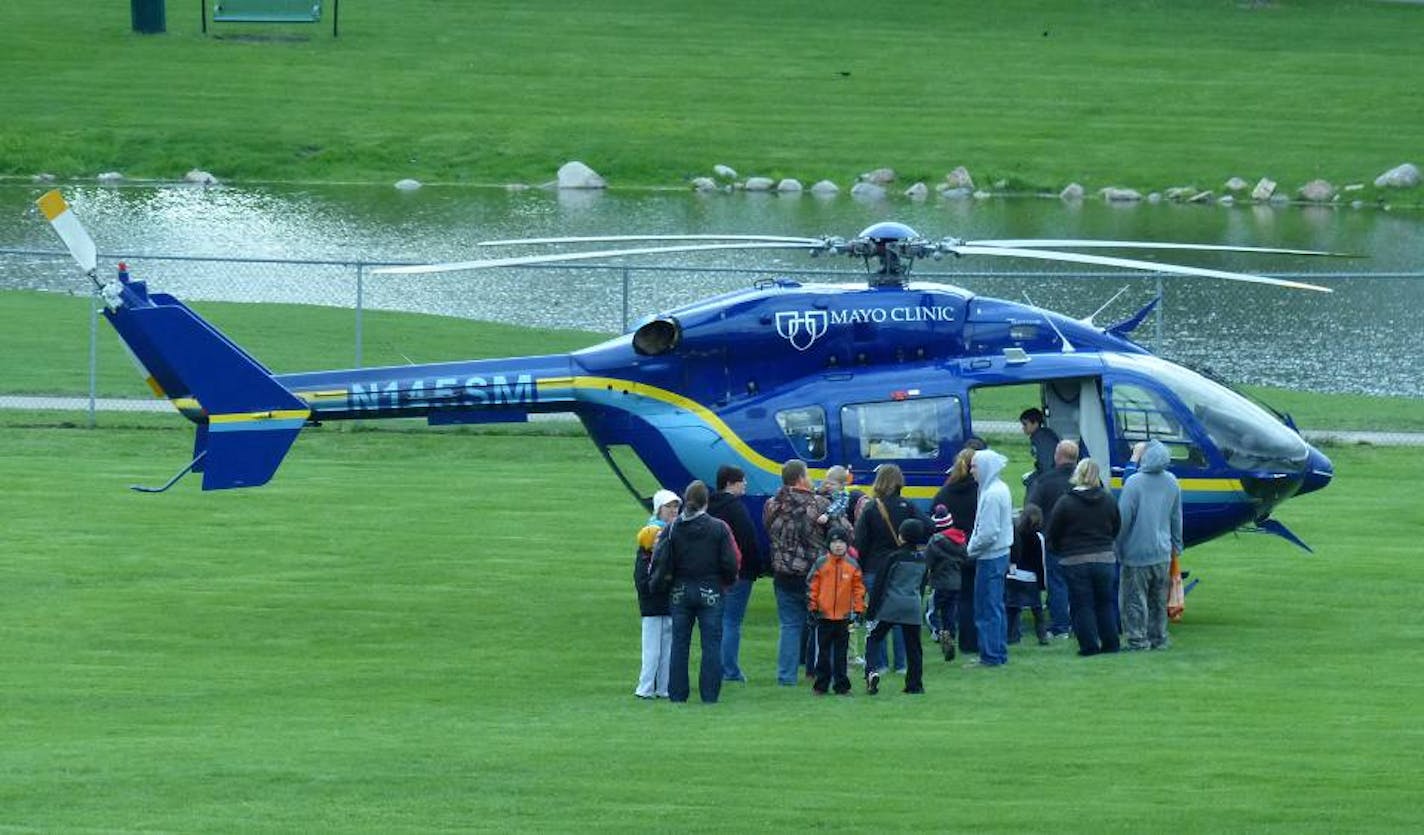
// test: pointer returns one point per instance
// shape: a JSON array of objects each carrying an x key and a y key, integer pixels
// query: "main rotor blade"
[
  {"x": 599, "y": 239},
  {"x": 1131, "y": 264},
  {"x": 487, "y": 263},
  {"x": 76, "y": 238},
  {"x": 1053, "y": 243}
]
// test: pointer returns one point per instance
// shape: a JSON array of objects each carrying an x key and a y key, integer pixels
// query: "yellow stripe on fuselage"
[
  {"x": 678, "y": 401},
  {"x": 1198, "y": 485},
  {"x": 279, "y": 414}
]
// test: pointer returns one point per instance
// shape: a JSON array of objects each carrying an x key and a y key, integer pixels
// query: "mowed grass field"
[
  {"x": 421, "y": 631},
  {"x": 1034, "y": 93}
]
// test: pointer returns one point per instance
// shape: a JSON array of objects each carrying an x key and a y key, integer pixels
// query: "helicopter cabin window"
[
  {"x": 899, "y": 429},
  {"x": 805, "y": 428},
  {"x": 1141, "y": 415}
]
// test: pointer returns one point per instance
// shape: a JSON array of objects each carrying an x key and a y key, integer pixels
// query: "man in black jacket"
[
  {"x": 703, "y": 561},
  {"x": 1045, "y": 491},
  {"x": 726, "y": 504}
]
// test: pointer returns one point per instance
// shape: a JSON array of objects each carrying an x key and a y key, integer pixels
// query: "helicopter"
[{"x": 858, "y": 374}]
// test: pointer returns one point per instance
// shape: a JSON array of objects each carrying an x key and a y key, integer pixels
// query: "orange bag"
[{"x": 1176, "y": 596}]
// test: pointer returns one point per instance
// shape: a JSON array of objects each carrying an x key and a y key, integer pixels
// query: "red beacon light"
[{"x": 123, "y": 273}]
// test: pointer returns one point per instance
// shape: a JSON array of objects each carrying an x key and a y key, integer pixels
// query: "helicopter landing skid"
[{"x": 172, "y": 481}]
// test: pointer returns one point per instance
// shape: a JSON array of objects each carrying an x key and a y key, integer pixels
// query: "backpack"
[{"x": 660, "y": 572}]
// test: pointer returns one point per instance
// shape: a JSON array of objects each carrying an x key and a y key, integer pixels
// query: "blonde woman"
[
  {"x": 1081, "y": 530},
  {"x": 876, "y": 537}
]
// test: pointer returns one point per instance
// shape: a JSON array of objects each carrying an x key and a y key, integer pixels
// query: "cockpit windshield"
[{"x": 1249, "y": 437}]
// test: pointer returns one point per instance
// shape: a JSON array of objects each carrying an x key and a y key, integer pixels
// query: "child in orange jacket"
[{"x": 837, "y": 598}]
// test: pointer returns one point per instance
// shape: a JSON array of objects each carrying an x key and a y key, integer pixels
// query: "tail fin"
[{"x": 248, "y": 420}]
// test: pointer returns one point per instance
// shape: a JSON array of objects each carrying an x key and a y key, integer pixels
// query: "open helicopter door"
[{"x": 1074, "y": 408}]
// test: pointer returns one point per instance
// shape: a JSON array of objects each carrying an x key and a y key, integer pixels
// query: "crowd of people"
[{"x": 840, "y": 558}]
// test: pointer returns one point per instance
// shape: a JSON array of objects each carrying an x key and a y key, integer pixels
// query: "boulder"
[
  {"x": 955, "y": 193},
  {"x": 725, "y": 172},
  {"x": 1265, "y": 187},
  {"x": 1226, "y": 199},
  {"x": 1154, "y": 197},
  {"x": 1401, "y": 176},
  {"x": 959, "y": 178},
  {"x": 577, "y": 175},
  {"x": 879, "y": 177},
  {"x": 1317, "y": 191},
  {"x": 1199, "y": 197},
  {"x": 918, "y": 191},
  {"x": 110, "y": 177},
  {"x": 981, "y": 194},
  {"x": 200, "y": 177},
  {"x": 704, "y": 184},
  {"x": 867, "y": 191},
  {"x": 1235, "y": 184},
  {"x": 1279, "y": 199},
  {"x": 1181, "y": 192},
  {"x": 789, "y": 185},
  {"x": 1072, "y": 191},
  {"x": 825, "y": 188},
  {"x": 42, "y": 178},
  {"x": 759, "y": 184},
  {"x": 1115, "y": 194},
  {"x": 407, "y": 185}
]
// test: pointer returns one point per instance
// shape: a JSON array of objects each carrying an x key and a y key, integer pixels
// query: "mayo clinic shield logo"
[{"x": 801, "y": 327}]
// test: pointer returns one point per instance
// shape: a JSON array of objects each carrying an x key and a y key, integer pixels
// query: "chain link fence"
[{"x": 86, "y": 368}]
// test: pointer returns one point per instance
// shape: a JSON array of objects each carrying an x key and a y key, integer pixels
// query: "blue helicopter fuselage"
[{"x": 858, "y": 376}]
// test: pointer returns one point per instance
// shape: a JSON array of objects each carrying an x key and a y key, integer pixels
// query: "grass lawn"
[
  {"x": 1035, "y": 93},
  {"x": 425, "y": 631}
]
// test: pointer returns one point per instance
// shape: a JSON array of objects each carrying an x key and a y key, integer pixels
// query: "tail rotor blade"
[
  {"x": 1129, "y": 263},
  {"x": 76, "y": 238}
]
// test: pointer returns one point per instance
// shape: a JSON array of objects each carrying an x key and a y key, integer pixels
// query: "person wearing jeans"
[
  {"x": 1046, "y": 490},
  {"x": 727, "y": 504},
  {"x": 698, "y": 602},
  {"x": 795, "y": 520},
  {"x": 791, "y": 616},
  {"x": 702, "y": 561},
  {"x": 1082, "y": 530},
  {"x": 989, "y": 545}
]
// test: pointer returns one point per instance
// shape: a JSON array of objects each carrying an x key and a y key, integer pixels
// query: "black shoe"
[{"x": 872, "y": 683}]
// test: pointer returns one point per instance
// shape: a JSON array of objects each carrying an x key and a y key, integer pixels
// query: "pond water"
[{"x": 1358, "y": 339}]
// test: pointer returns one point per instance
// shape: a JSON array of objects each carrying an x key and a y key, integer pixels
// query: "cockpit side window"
[
  {"x": 1142, "y": 415},
  {"x": 805, "y": 428},
  {"x": 902, "y": 429}
]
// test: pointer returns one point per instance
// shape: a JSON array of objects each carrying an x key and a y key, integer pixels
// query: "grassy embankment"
[
  {"x": 417, "y": 632},
  {"x": 1033, "y": 92}
]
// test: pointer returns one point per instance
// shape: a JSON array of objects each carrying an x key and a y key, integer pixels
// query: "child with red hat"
[{"x": 944, "y": 557}]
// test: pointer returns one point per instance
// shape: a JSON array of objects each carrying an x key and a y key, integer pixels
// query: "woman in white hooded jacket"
[{"x": 989, "y": 545}]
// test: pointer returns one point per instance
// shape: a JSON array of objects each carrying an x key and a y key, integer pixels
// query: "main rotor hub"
[{"x": 894, "y": 246}]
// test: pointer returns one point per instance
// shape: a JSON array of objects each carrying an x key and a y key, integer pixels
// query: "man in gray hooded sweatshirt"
[
  {"x": 1151, "y": 508},
  {"x": 989, "y": 546}
]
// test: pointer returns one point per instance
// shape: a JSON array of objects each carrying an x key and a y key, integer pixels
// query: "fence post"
[
  {"x": 93, "y": 356},
  {"x": 1162, "y": 302},
  {"x": 625, "y": 300},
  {"x": 360, "y": 289}
]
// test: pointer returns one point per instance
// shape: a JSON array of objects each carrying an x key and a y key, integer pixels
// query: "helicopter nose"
[{"x": 1318, "y": 472}]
